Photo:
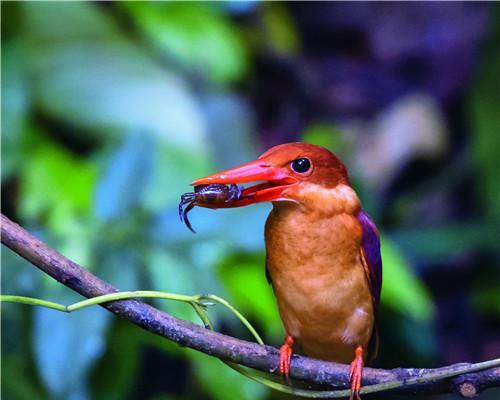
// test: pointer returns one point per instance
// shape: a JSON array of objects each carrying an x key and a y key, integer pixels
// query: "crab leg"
[{"x": 184, "y": 217}]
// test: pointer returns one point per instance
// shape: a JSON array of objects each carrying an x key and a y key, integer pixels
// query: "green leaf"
[
  {"x": 486, "y": 297},
  {"x": 117, "y": 371},
  {"x": 15, "y": 106},
  {"x": 47, "y": 22},
  {"x": 87, "y": 74},
  {"x": 435, "y": 244},
  {"x": 326, "y": 135},
  {"x": 57, "y": 186},
  {"x": 52, "y": 177},
  {"x": 17, "y": 381},
  {"x": 244, "y": 277},
  {"x": 222, "y": 382},
  {"x": 402, "y": 289},
  {"x": 279, "y": 28},
  {"x": 483, "y": 110},
  {"x": 195, "y": 35},
  {"x": 418, "y": 339}
]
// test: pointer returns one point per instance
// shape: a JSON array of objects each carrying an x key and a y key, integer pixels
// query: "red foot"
[
  {"x": 285, "y": 355},
  {"x": 356, "y": 372}
]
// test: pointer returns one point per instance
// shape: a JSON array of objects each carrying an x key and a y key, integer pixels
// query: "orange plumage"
[{"x": 322, "y": 252}]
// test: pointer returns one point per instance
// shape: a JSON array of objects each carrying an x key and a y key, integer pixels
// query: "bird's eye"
[{"x": 301, "y": 165}]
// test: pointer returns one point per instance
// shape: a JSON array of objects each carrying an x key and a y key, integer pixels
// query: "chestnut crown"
[{"x": 308, "y": 162}]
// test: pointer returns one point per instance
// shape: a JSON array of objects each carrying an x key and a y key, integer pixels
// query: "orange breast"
[{"x": 315, "y": 264}]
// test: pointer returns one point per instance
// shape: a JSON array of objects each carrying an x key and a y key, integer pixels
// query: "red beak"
[{"x": 276, "y": 181}]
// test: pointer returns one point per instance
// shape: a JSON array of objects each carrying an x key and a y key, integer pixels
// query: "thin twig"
[{"x": 264, "y": 358}]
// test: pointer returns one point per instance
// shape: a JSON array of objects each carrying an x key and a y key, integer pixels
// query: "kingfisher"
[{"x": 322, "y": 253}]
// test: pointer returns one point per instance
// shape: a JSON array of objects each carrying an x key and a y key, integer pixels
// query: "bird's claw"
[
  {"x": 356, "y": 373},
  {"x": 285, "y": 356}
]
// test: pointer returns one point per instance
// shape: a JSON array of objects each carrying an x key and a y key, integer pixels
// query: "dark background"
[{"x": 109, "y": 110}]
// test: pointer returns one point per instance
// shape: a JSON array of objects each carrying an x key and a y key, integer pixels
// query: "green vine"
[{"x": 201, "y": 302}]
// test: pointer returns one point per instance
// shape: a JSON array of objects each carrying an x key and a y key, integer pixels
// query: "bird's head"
[{"x": 287, "y": 172}]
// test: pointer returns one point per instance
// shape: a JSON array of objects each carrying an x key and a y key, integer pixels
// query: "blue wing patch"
[{"x": 370, "y": 244}]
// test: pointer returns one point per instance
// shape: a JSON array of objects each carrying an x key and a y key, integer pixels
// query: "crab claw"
[{"x": 183, "y": 215}]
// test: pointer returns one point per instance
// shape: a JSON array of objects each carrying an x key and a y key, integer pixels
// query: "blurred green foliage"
[
  {"x": 196, "y": 36},
  {"x": 108, "y": 112},
  {"x": 483, "y": 108}
]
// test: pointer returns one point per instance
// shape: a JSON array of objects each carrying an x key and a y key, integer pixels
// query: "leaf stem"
[{"x": 33, "y": 302}]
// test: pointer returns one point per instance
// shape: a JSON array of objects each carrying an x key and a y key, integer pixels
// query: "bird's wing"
[
  {"x": 370, "y": 251},
  {"x": 370, "y": 247}
]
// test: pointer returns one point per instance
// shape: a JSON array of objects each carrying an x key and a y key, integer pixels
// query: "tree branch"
[{"x": 264, "y": 358}]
